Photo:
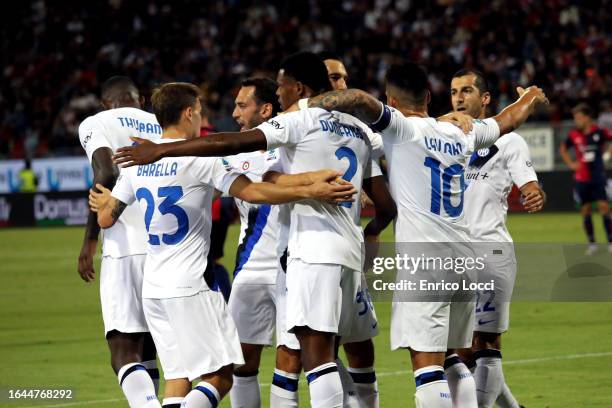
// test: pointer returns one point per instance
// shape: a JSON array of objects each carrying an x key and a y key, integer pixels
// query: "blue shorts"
[{"x": 588, "y": 192}]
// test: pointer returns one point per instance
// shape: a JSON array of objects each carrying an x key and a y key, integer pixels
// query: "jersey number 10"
[{"x": 444, "y": 191}]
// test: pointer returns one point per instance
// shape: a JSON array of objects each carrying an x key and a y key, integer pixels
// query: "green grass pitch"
[{"x": 555, "y": 354}]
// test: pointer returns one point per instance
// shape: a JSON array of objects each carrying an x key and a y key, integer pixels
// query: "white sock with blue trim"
[
  {"x": 366, "y": 386},
  {"x": 460, "y": 382},
  {"x": 431, "y": 388},
  {"x": 204, "y": 395},
  {"x": 137, "y": 386},
  {"x": 325, "y": 386},
  {"x": 284, "y": 389}
]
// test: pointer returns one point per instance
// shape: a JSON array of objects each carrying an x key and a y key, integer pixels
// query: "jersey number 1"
[
  {"x": 445, "y": 191},
  {"x": 172, "y": 194}
]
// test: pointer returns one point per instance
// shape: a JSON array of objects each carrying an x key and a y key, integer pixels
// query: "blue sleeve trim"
[{"x": 383, "y": 122}]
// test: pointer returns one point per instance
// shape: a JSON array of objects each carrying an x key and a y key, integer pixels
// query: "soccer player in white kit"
[
  {"x": 124, "y": 245},
  {"x": 193, "y": 331},
  {"x": 490, "y": 175},
  {"x": 252, "y": 302},
  {"x": 430, "y": 205}
]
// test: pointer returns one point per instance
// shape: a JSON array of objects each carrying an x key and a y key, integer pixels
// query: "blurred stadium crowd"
[{"x": 54, "y": 54}]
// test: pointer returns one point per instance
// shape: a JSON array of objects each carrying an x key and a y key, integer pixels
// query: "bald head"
[{"x": 120, "y": 92}]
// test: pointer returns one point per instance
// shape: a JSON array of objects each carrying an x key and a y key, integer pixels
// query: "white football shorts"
[
  {"x": 253, "y": 308},
  {"x": 321, "y": 296},
  {"x": 194, "y": 335},
  {"x": 121, "y": 294}
]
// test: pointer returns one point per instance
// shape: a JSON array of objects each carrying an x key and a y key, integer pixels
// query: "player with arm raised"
[
  {"x": 124, "y": 245},
  {"x": 490, "y": 175},
  {"x": 430, "y": 207},
  {"x": 194, "y": 333}
]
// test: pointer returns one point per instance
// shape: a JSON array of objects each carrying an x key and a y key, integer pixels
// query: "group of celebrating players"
[{"x": 298, "y": 178}]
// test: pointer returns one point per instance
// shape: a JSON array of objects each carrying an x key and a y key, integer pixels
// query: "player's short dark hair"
[
  {"x": 481, "y": 82},
  {"x": 307, "y": 68},
  {"x": 583, "y": 108},
  {"x": 170, "y": 99},
  {"x": 325, "y": 55},
  {"x": 265, "y": 92},
  {"x": 411, "y": 79},
  {"x": 114, "y": 88}
]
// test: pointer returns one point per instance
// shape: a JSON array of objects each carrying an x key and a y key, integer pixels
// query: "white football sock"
[
  {"x": 245, "y": 392},
  {"x": 506, "y": 399},
  {"x": 204, "y": 395},
  {"x": 325, "y": 386},
  {"x": 489, "y": 376},
  {"x": 366, "y": 386},
  {"x": 151, "y": 366},
  {"x": 348, "y": 387},
  {"x": 431, "y": 388},
  {"x": 284, "y": 389},
  {"x": 460, "y": 382},
  {"x": 137, "y": 386},
  {"x": 172, "y": 402}
]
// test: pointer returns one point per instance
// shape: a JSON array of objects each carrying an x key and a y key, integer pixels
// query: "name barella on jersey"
[
  {"x": 490, "y": 174},
  {"x": 426, "y": 160},
  {"x": 113, "y": 129},
  {"x": 256, "y": 256},
  {"x": 175, "y": 196},
  {"x": 314, "y": 139}
]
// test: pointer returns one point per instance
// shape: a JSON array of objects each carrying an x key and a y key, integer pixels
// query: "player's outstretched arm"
[
  {"x": 270, "y": 193},
  {"x": 516, "y": 114},
  {"x": 303, "y": 179},
  {"x": 533, "y": 196},
  {"x": 355, "y": 102},
  {"x": 108, "y": 208},
  {"x": 218, "y": 144},
  {"x": 105, "y": 173}
]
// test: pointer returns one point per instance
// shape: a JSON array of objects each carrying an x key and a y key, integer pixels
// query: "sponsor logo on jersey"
[{"x": 275, "y": 124}]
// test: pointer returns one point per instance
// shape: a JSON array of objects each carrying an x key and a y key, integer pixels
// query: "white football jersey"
[
  {"x": 256, "y": 258},
  {"x": 490, "y": 174},
  {"x": 315, "y": 139},
  {"x": 426, "y": 160},
  {"x": 175, "y": 195},
  {"x": 113, "y": 129}
]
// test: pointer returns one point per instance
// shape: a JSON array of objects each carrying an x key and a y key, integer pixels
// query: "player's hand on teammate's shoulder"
[
  {"x": 462, "y": 120},
  {"x": 334, "y": 191},
  {"x": 99, "y": 201},
  {"x": 143, "y": 152},
  {"x": 86, "y": 256}
]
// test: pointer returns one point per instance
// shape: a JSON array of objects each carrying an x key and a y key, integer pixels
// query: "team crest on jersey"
[
  {"x": 482, "y": 156},
  {"x": 246, "y": 165}
]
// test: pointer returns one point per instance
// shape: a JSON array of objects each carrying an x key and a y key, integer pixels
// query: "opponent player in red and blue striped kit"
[{"x": 589, "y": 143}]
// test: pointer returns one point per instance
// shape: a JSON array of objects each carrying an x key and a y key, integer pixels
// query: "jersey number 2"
[
  {"x": 347, "y": 153},
  {"x": 445, "y": 191},
  {"x": 172, "y": 195}
]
